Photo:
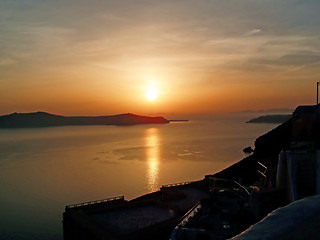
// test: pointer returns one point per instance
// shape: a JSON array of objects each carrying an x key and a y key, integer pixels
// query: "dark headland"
[
  {"x": 178, "y": 120},
  {"x": 43, "y": 119},
  {"x": 270, "y": 119}
]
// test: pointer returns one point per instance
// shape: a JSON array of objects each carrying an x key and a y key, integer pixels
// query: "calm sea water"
[{"x": 42, "y": 170}]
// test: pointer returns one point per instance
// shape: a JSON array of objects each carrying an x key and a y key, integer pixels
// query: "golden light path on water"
[{"x": 152, "y": 140}]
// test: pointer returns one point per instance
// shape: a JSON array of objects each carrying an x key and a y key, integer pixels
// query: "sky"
[{"x": 100, "y": 57}]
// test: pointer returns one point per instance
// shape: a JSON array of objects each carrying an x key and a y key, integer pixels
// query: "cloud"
[
  {"x": 181, "y": 41},
  {"x": 6, "y": 62},
  {"x": 253, "y": 32}
]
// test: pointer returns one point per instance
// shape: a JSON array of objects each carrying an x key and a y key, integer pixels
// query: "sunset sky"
[{"x": 104, "y": 57}]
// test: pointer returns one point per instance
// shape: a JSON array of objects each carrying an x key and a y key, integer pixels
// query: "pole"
[
  {"x": 317, "y": 118},
  {"x": 317, "y": 93}
]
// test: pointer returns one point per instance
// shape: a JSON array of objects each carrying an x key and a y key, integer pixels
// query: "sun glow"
[{"x": 151, "y": 93}]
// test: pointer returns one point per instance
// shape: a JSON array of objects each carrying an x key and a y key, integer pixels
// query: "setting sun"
[{"x": 151, "y": 93}]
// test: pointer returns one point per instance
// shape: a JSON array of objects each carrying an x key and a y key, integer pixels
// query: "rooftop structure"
[{"x": 152, "y": 216}]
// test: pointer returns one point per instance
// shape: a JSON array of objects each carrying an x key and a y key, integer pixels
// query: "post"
[
  {"x": 317, "y": 93},
  {"x": 317, "y": 118}
]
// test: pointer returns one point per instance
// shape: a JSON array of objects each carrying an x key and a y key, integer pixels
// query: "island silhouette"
[
  {"x": 44, "y": 119},
  {"x": 272, "y": 118}
]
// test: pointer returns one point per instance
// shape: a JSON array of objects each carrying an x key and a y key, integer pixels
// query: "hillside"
[
  {"x": 270, "y": 119},
  {"x": 43, "y": 119}
]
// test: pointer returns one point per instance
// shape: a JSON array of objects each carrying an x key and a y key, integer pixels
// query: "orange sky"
[{"x": 99, "y": 57}]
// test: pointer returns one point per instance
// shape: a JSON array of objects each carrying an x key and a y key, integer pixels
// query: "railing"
[
  {"x": 175, "y": 184},
  {"x": 191, "y": 213},
  {"x": 220, "y": 183},
  {"x": 95, "y": 202},
  {"x": 263, "y": 170}
]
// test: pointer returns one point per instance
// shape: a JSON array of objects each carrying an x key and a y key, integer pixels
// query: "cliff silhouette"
[
  {"x": 267, "y": 148},
  {"x": 43, "y": 119},
  {"x": 270, "y": 119}
]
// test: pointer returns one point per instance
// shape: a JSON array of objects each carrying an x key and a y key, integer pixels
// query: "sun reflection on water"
[{"x": 152, "y": 157}]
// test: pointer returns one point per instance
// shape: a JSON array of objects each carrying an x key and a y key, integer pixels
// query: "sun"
[{"x": 151, "y": 93}]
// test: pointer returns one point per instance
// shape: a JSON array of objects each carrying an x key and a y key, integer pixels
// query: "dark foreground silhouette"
[
  {"x": 280, "y": 170},
  {"x": 43, "y": 119}
]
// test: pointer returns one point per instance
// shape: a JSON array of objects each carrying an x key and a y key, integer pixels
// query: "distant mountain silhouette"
[
  {"x": 270, "y": 111},
  {"x": 43, "y": 119},
  {"x": 270, "y": 119}
]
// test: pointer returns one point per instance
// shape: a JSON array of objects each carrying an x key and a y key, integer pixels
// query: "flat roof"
[{"x": 132, "y": 218}]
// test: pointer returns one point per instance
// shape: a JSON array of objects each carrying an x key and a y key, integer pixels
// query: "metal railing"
[
  {"x": 175, "y": 184},
  {"x": 95, "y": 202},
  {"x": 263, "y": 170}
]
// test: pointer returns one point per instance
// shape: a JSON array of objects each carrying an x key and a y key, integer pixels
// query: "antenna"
[{"x": 317, "y": 93}]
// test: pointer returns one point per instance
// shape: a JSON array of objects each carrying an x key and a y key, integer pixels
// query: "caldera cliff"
[{"x": 43, "y": 119}]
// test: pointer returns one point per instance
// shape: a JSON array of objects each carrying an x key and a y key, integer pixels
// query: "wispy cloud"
[
  {"x": 7, "y": 62},
  {"x": 253, "y": 32},
  {"x": 191, "y": 42}
]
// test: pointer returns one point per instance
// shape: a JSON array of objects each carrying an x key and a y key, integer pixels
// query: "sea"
[{"x": 44, "y": 169}]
